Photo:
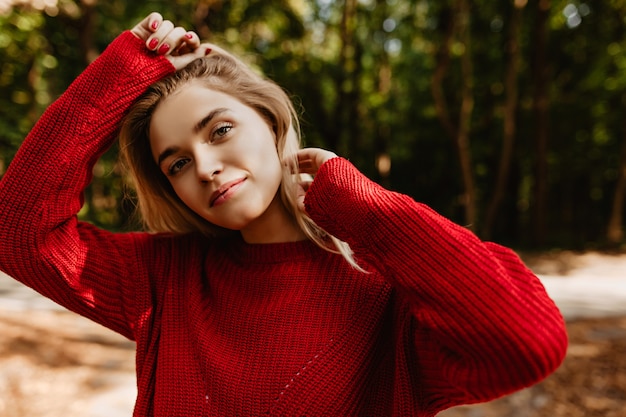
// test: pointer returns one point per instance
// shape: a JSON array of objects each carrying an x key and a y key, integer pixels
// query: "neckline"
[{"x": 268, "y": 253}]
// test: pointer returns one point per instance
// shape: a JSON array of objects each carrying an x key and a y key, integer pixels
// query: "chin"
[{"x": 238, "y": 226}]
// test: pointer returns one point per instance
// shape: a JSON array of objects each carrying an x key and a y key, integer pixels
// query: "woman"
[{"x": 237, "y": 299}]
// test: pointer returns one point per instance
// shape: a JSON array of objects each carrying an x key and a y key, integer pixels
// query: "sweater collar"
[{"x": 267, "y": 253}]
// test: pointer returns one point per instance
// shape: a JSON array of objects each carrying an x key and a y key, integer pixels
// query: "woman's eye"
[
  {"x": 177, "y": 166},
  {"x": 221, "y": 131}
]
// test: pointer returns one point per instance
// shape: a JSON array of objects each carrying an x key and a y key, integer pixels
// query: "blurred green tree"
[{"x": 505, "y": 116}]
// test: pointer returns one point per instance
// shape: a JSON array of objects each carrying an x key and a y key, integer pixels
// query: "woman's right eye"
[{"x": 177, "y": 166}]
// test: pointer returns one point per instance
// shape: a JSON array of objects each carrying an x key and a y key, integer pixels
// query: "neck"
[{"x": 275, "y": 226}]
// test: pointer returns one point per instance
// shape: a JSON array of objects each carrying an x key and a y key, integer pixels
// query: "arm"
[
  {"x": 42, "y": 243},
  {"x": 485, "y": 325}
]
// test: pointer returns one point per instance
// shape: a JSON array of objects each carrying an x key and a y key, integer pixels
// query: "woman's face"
[{"x": 220, "y": 157}]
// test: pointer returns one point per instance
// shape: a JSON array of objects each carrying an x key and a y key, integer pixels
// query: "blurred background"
[{"x": 508, "y": 117}]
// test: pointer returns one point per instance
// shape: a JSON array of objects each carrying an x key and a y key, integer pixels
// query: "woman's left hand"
[{"x": 309, "y": 162}]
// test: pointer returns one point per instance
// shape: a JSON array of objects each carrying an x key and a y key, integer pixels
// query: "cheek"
[
  {"x": 262, "y": 157},
  {"x": 185, "y": 192},
  {"x": 273, "y": 169}
]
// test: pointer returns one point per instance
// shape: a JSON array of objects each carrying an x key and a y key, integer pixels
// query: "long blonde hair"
[{"x": 160, "y": 208}]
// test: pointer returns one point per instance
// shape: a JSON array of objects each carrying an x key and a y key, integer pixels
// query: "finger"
[
  {"x": 306, "y": 164},
  {"x": 189, "y": 43},
  {"x": 207, "y": 48},
  {"x": 156, "y": 41},
  {"x": 311, "y": 159},
  {"x": 304, "y": 153},
  {"x": 154, "y": 21},
  {"x": 147, "y": 26},
  {"x": 172, "y": 41},
  {"x": 307, "y": 167},
  {"x": 212, "y": 47},
  {"x": 181, "y": 60},
  {"x": 305, "y": 182},
  {"x": 306, "y": 158}
]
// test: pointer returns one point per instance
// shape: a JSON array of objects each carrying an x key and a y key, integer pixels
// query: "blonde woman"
[{"x": 253, "y": 292}]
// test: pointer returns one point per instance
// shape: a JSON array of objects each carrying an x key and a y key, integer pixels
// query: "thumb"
[{"x": 181, "y": 61}]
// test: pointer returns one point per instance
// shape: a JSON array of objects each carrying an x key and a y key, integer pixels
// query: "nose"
[{"x": 208, "y": 165}]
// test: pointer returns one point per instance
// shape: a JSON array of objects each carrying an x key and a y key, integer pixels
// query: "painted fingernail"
[
  {"x": 163, "y": 49},
  {"x": 208, "y": 51},
  {"x": 153, "y": 43},
  {"x": 154, "y": 25},
  {"x": 189, "y": 35}
]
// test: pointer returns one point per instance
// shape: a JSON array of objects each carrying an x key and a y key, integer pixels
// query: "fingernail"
[
  {"x": 154, "y": 25},
  {"x": 163, "y": 49},
  {"x": 208, "y": 51},
  {"x": 188, "y": 35},
  {"x": 153, "y": 43}
]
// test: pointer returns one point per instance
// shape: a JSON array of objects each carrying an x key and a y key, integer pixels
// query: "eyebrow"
[
  {"x": 166, "y": 154},
  {"x": 207, "y": 119},
  {"x": 196, "y": 129}
]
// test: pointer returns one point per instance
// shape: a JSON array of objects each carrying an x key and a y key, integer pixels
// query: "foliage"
[{"x": 362, "y": 73}]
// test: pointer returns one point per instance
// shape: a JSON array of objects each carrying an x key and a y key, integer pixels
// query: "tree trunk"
[
  {"x": 541, "y": 104},
  {"x": 615, "y": 229},
  {"x": 451, "y": 21},
  {"x": 86, "y": 30},
  {"x": 510, "y": 117},
  {"x": 382, "y": 133},
  {"x": 448, "y": 24},
  {"x": 465, "y": 115},
  {"x": 344, "y": 79}
]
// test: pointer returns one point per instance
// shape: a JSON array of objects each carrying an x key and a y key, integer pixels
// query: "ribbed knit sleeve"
[
  {"x": 42, "y": 243},
  {"x": 484, "y": 323}
]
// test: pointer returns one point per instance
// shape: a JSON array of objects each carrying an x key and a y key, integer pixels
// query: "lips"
[{"x": 224, "y": 190}]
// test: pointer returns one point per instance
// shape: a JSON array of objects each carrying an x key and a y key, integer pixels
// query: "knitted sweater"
[{"x": 226, "y": 328}]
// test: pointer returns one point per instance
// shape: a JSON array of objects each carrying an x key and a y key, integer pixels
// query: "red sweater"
[{"x": 225, "y": 328}]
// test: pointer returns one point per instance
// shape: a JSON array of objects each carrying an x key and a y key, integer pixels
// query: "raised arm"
[
  {"x": 42, "y": 243},
  {"x": 484, "y": 323}
]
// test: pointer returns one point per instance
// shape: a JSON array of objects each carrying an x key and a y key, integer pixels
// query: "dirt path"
[{"x": 584, "y": 285}]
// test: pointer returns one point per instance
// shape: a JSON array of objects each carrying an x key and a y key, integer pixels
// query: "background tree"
[
  {"x": 513, "y": 58},
  {"x": 506, "y": 117}
]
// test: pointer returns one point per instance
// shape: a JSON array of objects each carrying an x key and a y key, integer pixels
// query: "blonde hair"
[{"x": 160, "y": 208}]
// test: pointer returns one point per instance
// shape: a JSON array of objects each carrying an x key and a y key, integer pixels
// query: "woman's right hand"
[{"x": 177, "y": 44}]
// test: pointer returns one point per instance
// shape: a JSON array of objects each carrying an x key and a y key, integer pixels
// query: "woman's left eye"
[{"x": 221, "y": 131}]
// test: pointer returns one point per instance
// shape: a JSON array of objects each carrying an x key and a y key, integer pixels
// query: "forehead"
[
  {"x": 176, "y": 115},
  {"x": 189, "y": 102}
]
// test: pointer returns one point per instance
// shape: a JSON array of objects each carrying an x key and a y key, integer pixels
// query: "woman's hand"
[
  {"x": 177, "y": 44},
  {"x": 309, "y": 162}
]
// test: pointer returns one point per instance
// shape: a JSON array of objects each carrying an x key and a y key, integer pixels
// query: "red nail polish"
[
  {"x": 163, "y": 49},
  {"x": 208, "y": 51},
  {"x": 153, "y": 43},
  {"x": 188, "y": 35},
  {"x": 154, "y": 25}
]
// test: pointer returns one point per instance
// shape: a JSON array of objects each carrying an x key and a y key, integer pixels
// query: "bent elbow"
[
  {"x": 547, "y": 351},
  {"x": 537, "y": 356}
]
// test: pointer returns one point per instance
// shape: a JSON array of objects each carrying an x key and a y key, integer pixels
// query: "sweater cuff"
[
  {"x": 340, "y": 198},
  {"x": 128, "y": 58}
]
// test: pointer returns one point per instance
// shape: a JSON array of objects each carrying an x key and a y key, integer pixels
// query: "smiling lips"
[{"x": 224, "y": 192}]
